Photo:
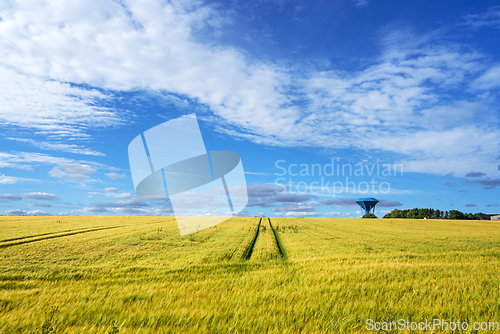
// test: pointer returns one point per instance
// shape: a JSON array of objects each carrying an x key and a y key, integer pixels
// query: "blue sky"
[{"x": 406, "y": 87}]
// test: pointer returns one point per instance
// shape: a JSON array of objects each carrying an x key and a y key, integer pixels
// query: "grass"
[{"x": 246, "y": 275}]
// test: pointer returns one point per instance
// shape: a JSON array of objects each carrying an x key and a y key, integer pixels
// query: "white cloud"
[
  {"x": 12, "y": 179},
  {"x": 69, "y": 169},
  {"x": 41, "y": 196},
  {"x": 39, "y": 205},
  {"x": 70, "y": 148},
  {"x": 489, "y": 18},
  {"x": 111, "y": 189},
  {"x": 361, "y": 3},
  {"x": 489, "y": 80},
  {"x": 9, "y": 197},
  {"x": 297, "y": 207},
  {"x": 122, "y": 195},
  {"x": 132, "y": 203},
  {"x": 132, "y": 46},
  {"x": 24, "y": 160},
  {"x": 72, "y": 171},
  {"x": 333, "y": 213},
  {"x": 15, "y": 212},
  {"x": 33, "y": 195},
  {"x": 301, "y": 214},
  {"x": 414, "y": 100},
  {"x": 114, "y": 176},
  {"x": 337, "y": 214},
  {"x": 136, "y": 211},
  {"x": 54, "y": 108},
  {"x": 38, "y": 213}
]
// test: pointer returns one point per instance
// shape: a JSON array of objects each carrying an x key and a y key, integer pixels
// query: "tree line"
[{"x": 417, "y": 213}]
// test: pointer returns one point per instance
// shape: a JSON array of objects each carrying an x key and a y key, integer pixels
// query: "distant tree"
[
  {"x": 417, "y": 213},
  {"x": 395, "y": 213},
  {"x": 478, "y": 215},
  {"x": 399, "y": 213},
  {"x": 412, "y": 214},
  {"x": 369, "y": 215},
  {"x": 423, "y": 213},
  {"x": 455, "y": 214}
]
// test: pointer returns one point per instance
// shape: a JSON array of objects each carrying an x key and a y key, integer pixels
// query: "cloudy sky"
[{"x": 401, "y": 96}]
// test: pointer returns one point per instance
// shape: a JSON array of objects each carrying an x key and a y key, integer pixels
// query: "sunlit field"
[{"x": 246, "y": 275}]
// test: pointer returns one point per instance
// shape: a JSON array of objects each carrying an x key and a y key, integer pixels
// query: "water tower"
[{"x": 367, "y": 204}]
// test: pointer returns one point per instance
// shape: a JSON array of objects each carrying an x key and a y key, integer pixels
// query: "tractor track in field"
[
  {"x": 51, "y": 235},
  {"x": 47, "y": 236},
  {"x": 249, "y": 250},
  {"x": 279, "y": 244},
  {"x": 277, "y": 241},
  {"x": 63, "y": 231},
  {"x": 48, "y": 233}
]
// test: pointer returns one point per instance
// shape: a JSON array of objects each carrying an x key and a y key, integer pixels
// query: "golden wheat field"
[{"x": 246, "y": 275}]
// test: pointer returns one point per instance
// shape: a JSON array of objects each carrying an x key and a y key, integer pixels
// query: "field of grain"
[{"x": 246, "y": 275}]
